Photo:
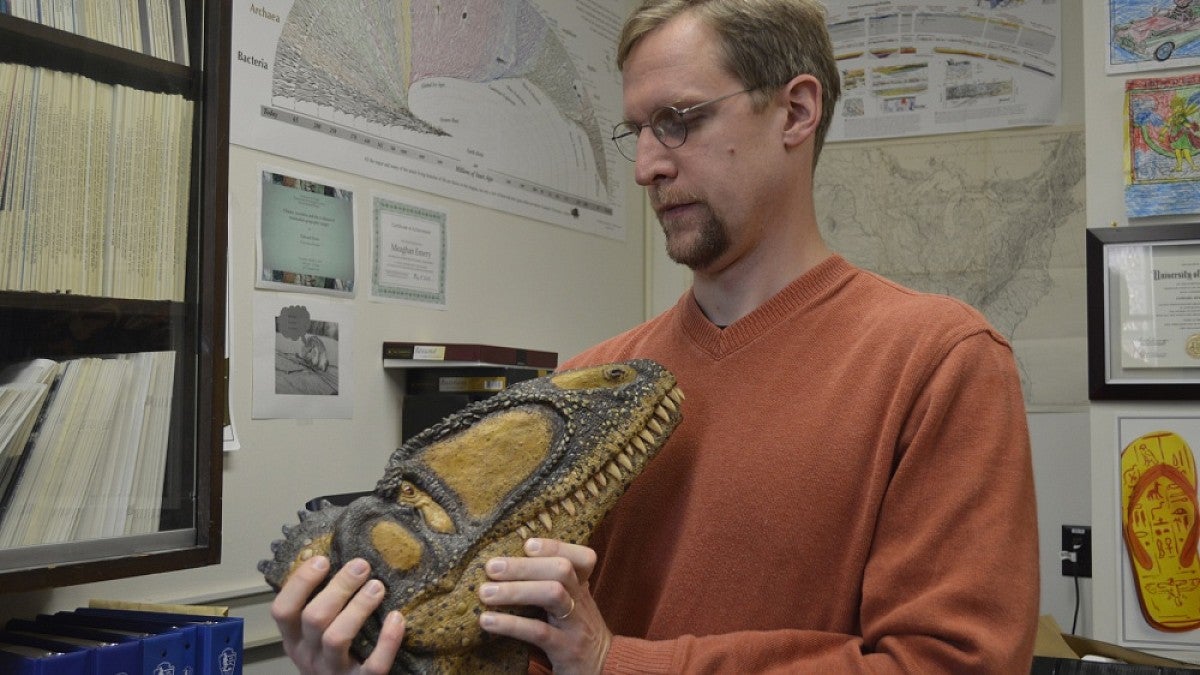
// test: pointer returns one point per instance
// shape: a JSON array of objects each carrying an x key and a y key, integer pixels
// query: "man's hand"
[
  {"x": 553, "y": 577},
  {"x": 317, "y": 636}
]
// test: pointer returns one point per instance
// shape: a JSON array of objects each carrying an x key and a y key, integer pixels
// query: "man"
[
  {"x": 1182, "y": 10},
  {"x": 851, "y": 489}
]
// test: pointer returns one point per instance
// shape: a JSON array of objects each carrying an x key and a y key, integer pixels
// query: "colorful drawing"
[
  {"x": 1158, "y": 498},
  {"x": 1150, "y": 34},
  {"x": 1162, "y": 139},
  {"x": 1159, "y": 34}
]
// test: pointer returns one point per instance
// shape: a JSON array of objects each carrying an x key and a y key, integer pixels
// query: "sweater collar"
[{"x": 800, "y": 292}]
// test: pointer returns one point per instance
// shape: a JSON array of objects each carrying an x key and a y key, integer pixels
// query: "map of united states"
[{"x": 996, "y": 221}]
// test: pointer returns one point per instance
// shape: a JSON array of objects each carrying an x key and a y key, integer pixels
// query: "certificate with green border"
[{"x": 408, "y": 252}]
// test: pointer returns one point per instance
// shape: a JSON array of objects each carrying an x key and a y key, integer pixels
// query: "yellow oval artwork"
[{"x": 1158, "y": 498}]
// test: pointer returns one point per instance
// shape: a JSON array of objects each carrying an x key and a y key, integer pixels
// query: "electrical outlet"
[{"x": 1076, "y": 551}]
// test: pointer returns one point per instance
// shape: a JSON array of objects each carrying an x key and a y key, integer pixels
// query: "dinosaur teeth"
[
  {"x": 625, "y": 461},
  {"x": 613, "y": 470},
  {"x": 646, "y": 439}
]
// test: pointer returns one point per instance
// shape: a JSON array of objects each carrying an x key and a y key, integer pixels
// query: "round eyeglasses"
[{"x": 667, "y": 123}]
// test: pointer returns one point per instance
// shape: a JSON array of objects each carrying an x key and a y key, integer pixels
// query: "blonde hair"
[{"x": 764, "y": 43}]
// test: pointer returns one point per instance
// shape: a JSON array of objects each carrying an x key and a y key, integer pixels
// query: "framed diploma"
[{"x": 1143, "y": 312}]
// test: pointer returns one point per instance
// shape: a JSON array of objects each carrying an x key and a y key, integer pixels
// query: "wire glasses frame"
[{"x": 667, "y": 123}]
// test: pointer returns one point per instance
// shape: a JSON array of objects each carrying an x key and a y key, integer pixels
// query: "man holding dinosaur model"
[{"x": 851, "y": 487}]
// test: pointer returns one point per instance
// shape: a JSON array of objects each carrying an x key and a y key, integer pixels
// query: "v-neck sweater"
[{"x": 850, "y": 490}]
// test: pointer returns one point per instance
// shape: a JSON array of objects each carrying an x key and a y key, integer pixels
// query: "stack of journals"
[
  {"x": 83, "y": 447},
  {"x": 94, "y": 186},
  {"x": 90, "y": 641}
]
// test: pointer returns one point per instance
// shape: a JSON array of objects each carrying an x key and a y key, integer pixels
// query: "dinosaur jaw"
[{"x": 581, "y": 502}]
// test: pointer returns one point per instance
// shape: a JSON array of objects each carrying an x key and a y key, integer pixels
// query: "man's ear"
[{"x": 802, "y": 96}]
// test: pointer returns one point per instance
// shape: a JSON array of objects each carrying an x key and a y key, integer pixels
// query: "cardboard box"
[{"x": 1056, "y": 653}]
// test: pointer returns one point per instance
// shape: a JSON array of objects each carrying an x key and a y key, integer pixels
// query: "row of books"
[
  {"x": 95, "y": 641},
  {"x": 84, "y": 447},
  {"x": 94, "y": 186},
  {"x": 153, "y": 27}
]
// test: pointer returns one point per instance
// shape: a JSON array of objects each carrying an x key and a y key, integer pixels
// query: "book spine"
[{"x": 502, "y": 356}]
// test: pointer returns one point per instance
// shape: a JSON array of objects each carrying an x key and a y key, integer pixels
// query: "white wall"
[{"x": 1061, "y": 455}]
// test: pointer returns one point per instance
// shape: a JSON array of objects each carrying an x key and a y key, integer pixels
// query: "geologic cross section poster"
[{"x": 504, "y": 103}]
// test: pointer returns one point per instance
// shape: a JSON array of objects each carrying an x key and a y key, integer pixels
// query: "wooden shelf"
[{"x": 25, "y": 42}]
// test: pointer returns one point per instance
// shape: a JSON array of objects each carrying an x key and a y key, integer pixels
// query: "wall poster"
[
  {"x": 303, "y": 358},
  {"x": 508, "y": 104}
]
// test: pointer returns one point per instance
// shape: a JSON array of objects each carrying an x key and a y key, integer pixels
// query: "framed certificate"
[{"x": 1143, "y": 312}]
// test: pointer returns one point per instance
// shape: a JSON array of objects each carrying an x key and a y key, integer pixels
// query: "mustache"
[{"x": 668, "y": 196}]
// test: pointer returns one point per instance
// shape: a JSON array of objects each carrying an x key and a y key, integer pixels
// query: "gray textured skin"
[{"x": 604, "y": 425}]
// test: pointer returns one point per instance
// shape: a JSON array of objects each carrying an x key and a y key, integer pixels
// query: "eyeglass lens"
[{"x": 666, "y": 124}]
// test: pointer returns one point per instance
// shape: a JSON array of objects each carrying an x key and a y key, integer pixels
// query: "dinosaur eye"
[
  {"x": 599, "y": 377},
  {"x": 435, "y": 516}
]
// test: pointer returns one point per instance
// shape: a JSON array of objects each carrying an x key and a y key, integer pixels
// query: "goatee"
[{"x": 709, "y": 237}]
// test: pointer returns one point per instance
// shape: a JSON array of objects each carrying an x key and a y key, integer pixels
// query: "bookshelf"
[{"x": 127, "y": 298}]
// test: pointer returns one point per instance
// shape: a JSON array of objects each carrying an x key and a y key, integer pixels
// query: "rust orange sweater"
[{"x": 850, "y": 491}]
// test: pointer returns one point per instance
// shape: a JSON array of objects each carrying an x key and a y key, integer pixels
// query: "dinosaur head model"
[{"x": 546, "y": 457}]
